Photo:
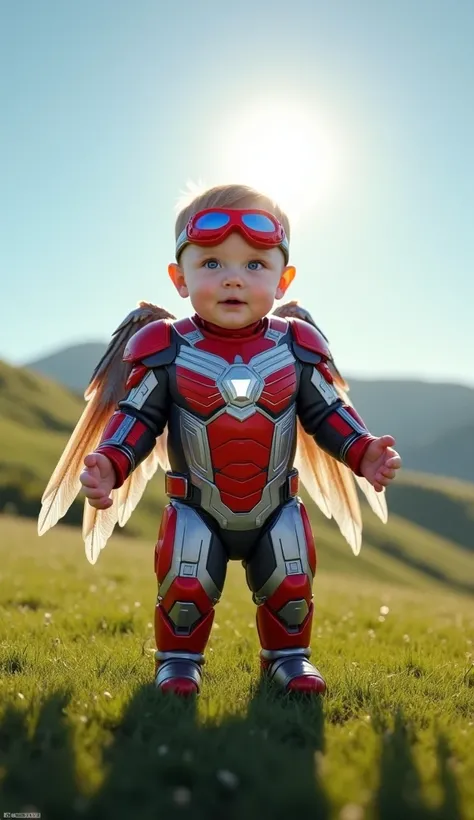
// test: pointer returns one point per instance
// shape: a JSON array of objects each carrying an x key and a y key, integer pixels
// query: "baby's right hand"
[{"x": 98, "y": 480}]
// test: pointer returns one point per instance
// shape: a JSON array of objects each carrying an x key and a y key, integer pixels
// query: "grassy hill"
[
  {"x": 442, "y": 505},
  {"x": 392, "y": 739},
  {"x": 35, "y": 401}
]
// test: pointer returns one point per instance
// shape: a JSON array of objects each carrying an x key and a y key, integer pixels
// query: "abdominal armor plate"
[{"x": 198, "y": 457}]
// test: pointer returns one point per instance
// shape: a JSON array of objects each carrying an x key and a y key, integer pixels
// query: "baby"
[{"x": 235, "y": 387}]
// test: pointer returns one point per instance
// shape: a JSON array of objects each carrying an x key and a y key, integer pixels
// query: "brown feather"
[{"x": 107, "y": 385}]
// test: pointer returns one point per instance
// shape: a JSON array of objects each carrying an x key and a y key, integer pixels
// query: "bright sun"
[{"x": 281, "y": 151}]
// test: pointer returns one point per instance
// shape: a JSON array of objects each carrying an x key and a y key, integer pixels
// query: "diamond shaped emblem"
[{"x": 241, "y": 387}]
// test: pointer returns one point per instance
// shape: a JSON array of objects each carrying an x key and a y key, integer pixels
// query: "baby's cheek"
[
  {"x": 203, "y": 290},
  {"x": 263, "y": 291}
]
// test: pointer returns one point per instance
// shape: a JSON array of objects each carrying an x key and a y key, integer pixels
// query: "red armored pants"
[{"x": 191, "y": 563}]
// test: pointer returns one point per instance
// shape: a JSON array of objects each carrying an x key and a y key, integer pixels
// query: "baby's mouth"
[{"x": 232, "y": 302}]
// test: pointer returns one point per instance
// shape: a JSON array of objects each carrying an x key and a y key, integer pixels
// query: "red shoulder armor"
[
  {"x": 150, "y": 339},
  {"x": 308, "y": 336}
]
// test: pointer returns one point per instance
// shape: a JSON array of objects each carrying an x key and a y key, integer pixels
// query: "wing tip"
[{"x": 43, "y": 524}]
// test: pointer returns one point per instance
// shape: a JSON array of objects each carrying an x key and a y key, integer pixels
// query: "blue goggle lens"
[
  {"x": 258, "y": 222},
  {"x": 212, "y": 221}
]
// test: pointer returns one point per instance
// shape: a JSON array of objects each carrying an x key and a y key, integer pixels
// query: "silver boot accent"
[
  {"x": 284, "y": 665},
  {"x": 179, "y": 665}
]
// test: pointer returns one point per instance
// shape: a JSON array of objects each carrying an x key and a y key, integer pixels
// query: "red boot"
[
  {"x": 280, "y": 575},
  {"x": 292, "y": 670},
  {"x": 177, "y": 673},
  {"x": 187, "y": 595}
]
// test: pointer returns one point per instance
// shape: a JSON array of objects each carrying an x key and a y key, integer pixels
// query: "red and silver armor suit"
[{"x": 231, "y": 401}]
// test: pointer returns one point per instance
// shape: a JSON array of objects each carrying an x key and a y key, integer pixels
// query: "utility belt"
[{"x": 178, "y": 486}]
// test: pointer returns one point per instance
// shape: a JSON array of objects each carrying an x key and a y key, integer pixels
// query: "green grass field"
[{"x": 84, "y": 734}]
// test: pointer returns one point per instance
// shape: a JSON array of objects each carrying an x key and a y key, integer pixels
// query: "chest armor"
[{"x": 237, "y": 420}]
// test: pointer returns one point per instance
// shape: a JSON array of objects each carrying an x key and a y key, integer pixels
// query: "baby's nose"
[{"x": 232, "y": 278}]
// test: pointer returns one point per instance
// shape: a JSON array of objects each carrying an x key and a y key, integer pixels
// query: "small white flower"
[
  {"x": 21, "y": 696},
  {"x": 406, "y": 638},
  {"x": 108, "y": 695},
  {"x": 384, "y": 610},
  {"x": 137, "y": 604},
  {"x": 227, "y": 778}
]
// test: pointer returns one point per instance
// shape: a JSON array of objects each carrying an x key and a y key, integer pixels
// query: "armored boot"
[
  {"x": 190, "y": 565},
  {"x": 280, "y": 575}
]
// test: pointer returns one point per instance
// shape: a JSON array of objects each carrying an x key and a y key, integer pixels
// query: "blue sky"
[{"x": 109, "y": 107}]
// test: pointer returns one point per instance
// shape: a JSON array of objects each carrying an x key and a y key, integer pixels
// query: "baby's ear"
[
  {"x": 177, "y": 277},
  {"x": 287, "y": 276}
]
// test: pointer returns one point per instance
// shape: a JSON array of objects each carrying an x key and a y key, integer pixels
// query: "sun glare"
[{"x": 281, "y": 151}]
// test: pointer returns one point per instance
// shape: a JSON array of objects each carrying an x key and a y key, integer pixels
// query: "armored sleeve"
[
  {"x": 336, "y": 427},
  {"x": 131, "y": 432}
]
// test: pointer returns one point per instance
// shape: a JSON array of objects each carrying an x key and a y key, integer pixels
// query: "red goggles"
[{"x": 211, "y": 226}]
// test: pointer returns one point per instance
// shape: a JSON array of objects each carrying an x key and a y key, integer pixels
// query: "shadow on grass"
[
  {"x": 164, "y": 761},
  {"x": 400, "y": 791},
  {"x": 38, "y": 769}
]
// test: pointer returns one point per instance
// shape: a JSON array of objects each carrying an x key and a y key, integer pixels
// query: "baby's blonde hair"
[{"x": 230, "y": 196}]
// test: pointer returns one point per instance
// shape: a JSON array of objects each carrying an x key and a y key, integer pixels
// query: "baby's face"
[{"x": 231, "y": 284}]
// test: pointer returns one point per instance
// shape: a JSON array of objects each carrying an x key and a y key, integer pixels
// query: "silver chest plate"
[{"x": 239, "y": 384}]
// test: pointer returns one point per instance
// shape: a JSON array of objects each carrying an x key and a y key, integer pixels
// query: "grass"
[{"x": 84, "y": 734}]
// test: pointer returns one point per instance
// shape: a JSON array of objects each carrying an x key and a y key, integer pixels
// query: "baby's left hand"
[{"x": 380, "y": 462}]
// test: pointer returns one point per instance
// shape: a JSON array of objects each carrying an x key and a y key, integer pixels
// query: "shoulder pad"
[
  {"x": 278, "y": 324},
  {"x": 152, "y": 338},
  {"x": 308, "y": 337}
]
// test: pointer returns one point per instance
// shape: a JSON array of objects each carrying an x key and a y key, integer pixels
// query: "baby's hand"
[
  {"x": 98, "y": 480},
  {"x": 380, "y": 462}
]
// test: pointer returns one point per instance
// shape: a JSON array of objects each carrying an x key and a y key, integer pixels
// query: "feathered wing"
[
  {"x": 331, "y": 484},
  {"x": 106, "y": 387}
]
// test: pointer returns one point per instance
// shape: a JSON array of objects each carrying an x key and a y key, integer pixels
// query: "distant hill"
[
  {"x": 430, "y": 422},
  {"x": 70, "y": 366},
  {"x": 450, "y": 454}
]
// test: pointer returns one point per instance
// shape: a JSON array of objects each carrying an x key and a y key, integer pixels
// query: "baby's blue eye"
[
  {"x": 253, "y": 265},
  {"x": 212, "y": 264}
]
